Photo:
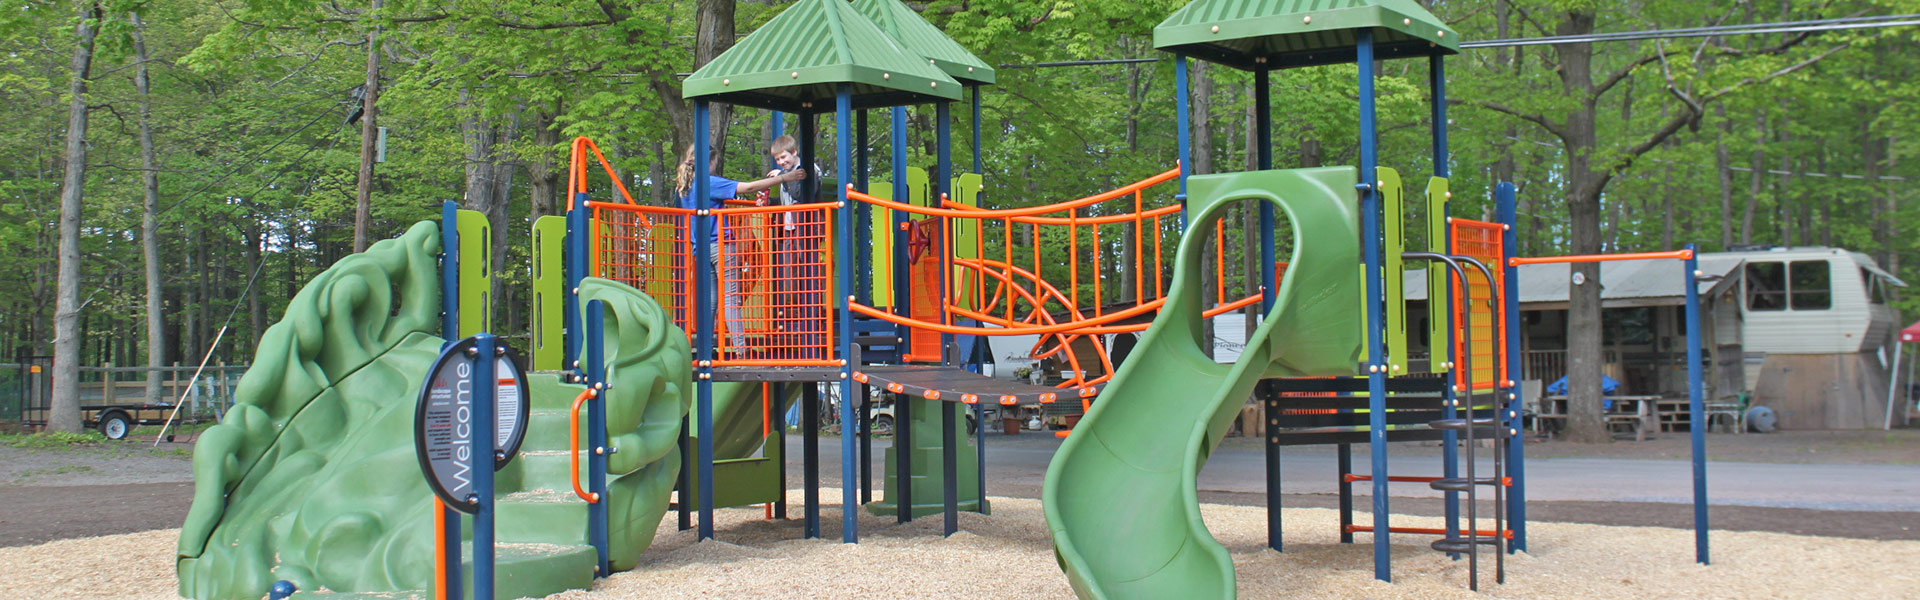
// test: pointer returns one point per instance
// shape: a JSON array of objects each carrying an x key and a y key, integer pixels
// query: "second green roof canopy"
[
  {"x": 795, "y": 62},
  {"x": 1276, "y": 34}
]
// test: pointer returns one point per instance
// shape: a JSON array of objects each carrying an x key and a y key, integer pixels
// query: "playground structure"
[{"x": 681, "y": 334}]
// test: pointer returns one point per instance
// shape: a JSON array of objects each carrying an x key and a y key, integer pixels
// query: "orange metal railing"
[
  {"x": 573, "y": 445},
  {"x": 1480, "y": 240},
  {"x": 776, "y": 264},
  {"x": 646, "y": 247}
]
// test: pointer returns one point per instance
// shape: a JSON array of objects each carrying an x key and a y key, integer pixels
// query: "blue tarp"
[{"x": 1607, "y": 386}]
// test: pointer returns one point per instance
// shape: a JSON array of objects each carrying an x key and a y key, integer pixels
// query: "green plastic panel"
[
  {"x": 476, "y": 272},
  {"x": 883, "y": 231},
  {"x": 1438, "y": 300},
  {"x": 966, "y": 234},
  {"x": 1392, "y": 198},
  {"x": 929, "y": 479},
  {"x": 549, "y": 293},
  {"x": 1119, "y": 493},
  {"x": 795, "y": 61}
]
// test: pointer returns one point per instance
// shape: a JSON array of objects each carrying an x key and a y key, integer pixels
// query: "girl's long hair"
[{"x": 683, "y": 175}]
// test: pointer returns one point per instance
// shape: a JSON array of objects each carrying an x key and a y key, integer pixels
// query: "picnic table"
[{"x": 1637, "y": 413}]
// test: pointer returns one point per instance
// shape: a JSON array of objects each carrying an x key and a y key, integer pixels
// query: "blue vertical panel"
[
  {"x": 1183, "y": 126},
  {"x": 596, "y": 366},
  {"x": 576, "y": 247},
  {"x": 902, "y": 284},
  {"x": 449, "y": 271},
  {"x": 1506, "y": 207},
  {"x": 943, "y": 144},
  {"x": 1437, "y": 78},
  {"x": 703, "y": 309},
  {"x": 849, "y": 470},
  {"x": 863, "y": 221},
  {"x": 976, "y": 129},
  {"x": 1376, "y": 307},
  {"x": 484, "y": 460},
  {"x": 450, "y": 331},
  {"x": 1695, "y": 400}
]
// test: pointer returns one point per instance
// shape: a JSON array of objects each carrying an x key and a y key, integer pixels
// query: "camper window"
[
  {"x": 1812, "y": 284},
  {"x": 1876, "y": 289},
  {"x": 1766, "y": 286}
]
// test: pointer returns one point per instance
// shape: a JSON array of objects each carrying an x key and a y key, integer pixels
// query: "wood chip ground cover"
[{"x": 1009, "y": 555}]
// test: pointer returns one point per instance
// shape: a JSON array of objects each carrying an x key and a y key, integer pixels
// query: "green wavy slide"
[{"x": 1120, "y": 497}]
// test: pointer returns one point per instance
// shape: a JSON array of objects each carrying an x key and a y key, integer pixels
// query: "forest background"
[{"x": 207, "y": 152}]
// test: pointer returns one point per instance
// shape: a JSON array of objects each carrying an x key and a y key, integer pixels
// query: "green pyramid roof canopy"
[
  {"x": 921, "y": 37},
  {"x": 1278, "y": 34},
  {"x": 794, "y": 62}
]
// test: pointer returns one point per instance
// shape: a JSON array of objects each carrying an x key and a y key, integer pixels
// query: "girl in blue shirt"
[{"x": 720, "y": 190}]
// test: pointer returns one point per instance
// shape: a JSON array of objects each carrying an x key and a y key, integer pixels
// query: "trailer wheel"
[{"x": 115, "y": 425}]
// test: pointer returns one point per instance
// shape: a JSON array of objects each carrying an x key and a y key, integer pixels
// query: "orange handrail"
[
  {"x": 573, "y": 433},
  {"x": 959, "y": 330},
  {"x": 1590, "y": 258},
  {"x": 1099, "y": 220},
  {"x": 1019, "y": 212},
  {"x": 640, "y": 208},
  {"x": 577, "y": 171},
  {"x": 1208, "y": 313}
]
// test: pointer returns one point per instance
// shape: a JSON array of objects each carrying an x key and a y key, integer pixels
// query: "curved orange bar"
[
  {"x": 1129, "y": 189},
  {"x": 1101, "y": 220},
  {"x": 573, "y": 433},
  {"x": 1592, "y": 258},
  {"x": 1208, "y": 313},
  {"x": 954, "y": 329}
]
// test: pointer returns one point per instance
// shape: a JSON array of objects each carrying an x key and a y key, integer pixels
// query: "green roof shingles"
[{"x": 795, "y": 61}]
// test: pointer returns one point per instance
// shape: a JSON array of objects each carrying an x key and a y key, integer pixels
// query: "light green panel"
[
  {"x": 1395, "y": 227},
  {"x": 1438, "y": 300},
  {"x": 476, "y": 272},
  {"x": 549, "y": 293},
  {"x": 966, "y": 234},
  {"x": 883, "y": 231}
]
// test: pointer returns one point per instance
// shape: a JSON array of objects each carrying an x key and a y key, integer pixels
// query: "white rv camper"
[{"x": 1820, "y": 317}]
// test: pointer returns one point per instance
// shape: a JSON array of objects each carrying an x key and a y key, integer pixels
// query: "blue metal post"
[
  {"x": 596, "y": 366},
  {"x": 1695, "y": 401},
  {"x": 704, "y": 306},
  {"x": 976, "y": 129},
  {"x": 901, "y": 281},
  {"x": 775, "y": 129},
  {"x": 1376, "y": 310},
  {"x": 1506, "y": 207},
  {"x": 943, "y": 151},
  {"x": 1437, "y": 80},
  {"x": 849, "y": 469},
  {"x": 1269, "y": 293},
  {"x": 1183, "y": 128},
  {"x": 484, "y": 462},
  {"x": 863, "y": 221},
  {"x": 450, "y": 332},
  {"x": 575, "y": 256}
]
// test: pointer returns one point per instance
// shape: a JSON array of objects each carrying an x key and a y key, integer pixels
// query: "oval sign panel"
[{"x": 444, "y": 423}]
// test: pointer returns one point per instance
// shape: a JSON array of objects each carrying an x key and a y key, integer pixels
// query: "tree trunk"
[
  {"x": 1756, "y": 176},
  {"x": 1583, "y": 187},
  {"x": 1250, "y": 251},
  {"x": 1203, "y": 164},
  {"x": 149, "y": 220},
  {"x": 542, "y": 174},
  {"x": 714, "y": 36},
  {"x": 369, "y": 132},
  {"x": 64, "y": 413}
]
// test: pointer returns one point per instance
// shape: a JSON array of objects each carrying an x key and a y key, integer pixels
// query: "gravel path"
[
  {"x": 105, "y": 464},
  {"x": 1009, "y": 555}
]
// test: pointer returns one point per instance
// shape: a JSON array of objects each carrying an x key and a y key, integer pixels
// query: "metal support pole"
[
  {"x": 902, "y": 283},
  {"x": 1376, "y": 310},
  {"x": 575, "y": 259},
  {"x": 902, "y": 458},
  {"x": 485, "y": 459},
  {"x": 1437, "y": 79},
  {"x": 976, "y": 129},
  {"x": 1696, "y": 407},
  {"x": 949, "y": 467},
  {"x": 779, "y": 417},
  {"x": 1344, "y": 456},
  {"x": 1507, "y": 208},
  {"x": 863, "y": 223},
  {"x": 450, "y": 333},
  {"x": 596, "y": 367},
  {"x": 866, "y": 444},
  {"x": 810, "y": 458},
  {"x": 1183, "y": 127},
  {"x": 683, "y": 484},
  {"x": 1270, "y": 416},
  {"x": 705, "y": 304},
  {"x": 980, "y": 452},
  {"x": 849, "y": 479},
  {"x": 1263, "y": 132},
  {"x": 943, "y": 143}
]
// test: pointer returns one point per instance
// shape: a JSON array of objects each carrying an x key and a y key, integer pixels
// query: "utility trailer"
[{"x": 100, "y": 408}]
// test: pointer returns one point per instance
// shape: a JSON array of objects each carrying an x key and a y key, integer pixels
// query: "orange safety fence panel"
[
  {"x": 1480, "y": 240},
  {"x": 647, "y": 248},
  {"x": 776, "y": 267}
]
